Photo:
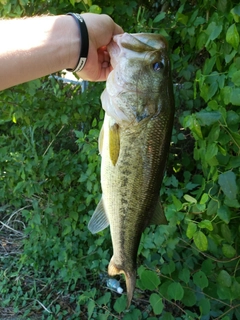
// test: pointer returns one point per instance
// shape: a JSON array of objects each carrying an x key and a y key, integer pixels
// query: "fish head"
[{"x": 141, "y": 73}]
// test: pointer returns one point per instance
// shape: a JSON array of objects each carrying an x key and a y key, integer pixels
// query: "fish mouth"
[{"x": 140, "y": 42}]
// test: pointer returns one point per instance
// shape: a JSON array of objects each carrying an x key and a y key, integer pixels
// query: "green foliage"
[{"x": 50, "y": 184}]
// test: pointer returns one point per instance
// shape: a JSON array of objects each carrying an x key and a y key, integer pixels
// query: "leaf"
[
  {"x": 224, "y": 214},
  {"x": 120, "y": 304},
  {"x": 189, "y": 298},
  {"x": 204, "y": 305},
  {"x": 168, "y": 268},
  {"x": 177, "y": 203},
  {"x": 208, "y": 91},
  {"x": 200, "y": 241},
  {"x": 208, "y": 118},
  {"x": 150, "y": 280},
  {"x": 204, "y": 198},
  {"x": 175, "y": 291},
  {"x": 212, "y": 207},
  {"x": 226, "y": 233},
  {"x": 159, "y": 17},
  {"x": 235, "y": 289},
  {"x": 236, "y": 78},
  {"x": 235, "y": 96},
  {"x": 104, "y": 299},
  {"x": 184, "y": 275},
  {"x": 156, "y": 303},
  {"x": 200, "y": 279},
  {"x": 224, "y": 278},
  {"x": 228, "y": 251},
  {"x": 227, "y": 182},
  {"x": 205, "y": 224},
  {"x": 191, "y": 229},
  {"x": 95, "y": 9},
  {"x": 189, "y": 198},
  {"x": 232, "y": 36},
  {"x": 211, "y": 151},
  {"x": 64, "y": 119},
  {"x": 36, "y": 219},
  {"x": 91, "y": 306},
  {"x": 236, "y": 13},
  {"x": 213, "y": 30}
]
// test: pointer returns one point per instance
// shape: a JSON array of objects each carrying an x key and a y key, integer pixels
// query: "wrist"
[
  {"x": 73, "y": 42},
  {"x": 84, "y": 41}
]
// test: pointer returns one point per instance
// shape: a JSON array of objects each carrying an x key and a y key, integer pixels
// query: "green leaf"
[
  {"x": 236, "y": 13},
  {"x": 227, "y": 182},
  {"x": 204, "y": 198},
  {"x": 226, "y": 233},
  {"x": 232, "y": 36},
  {"x": 120, "y": 304},
  {"x": 175, "y": 291},
  {"x": 235, "y": 289},
  {"x": 166, "y": 316},
  {"x": 207, "y": 266},
  {"x": 168, "y": 268},
  {"x": 204, "y": 305},
  {"x": 224, "y": 278},
  {"x": 236, "y": 78},
  {"x": 211, "y": 151},
  {"x": 36, "y": 219},
  {"x": 189, "y": 298},
  {"x": 200, "y": 279},
  {"x": 177, "y": 203},
  {"x": 95, "y": 9},
  {"x": 189, "y": 198},
  {"x": 133, "y": 314},
  {"x": 159, "y": 17},
  {"x": 156, "y": 303},
  {"x": 184, "y": 275},
  {"x": 191, "y": 229},
  {"x": 64, "y": 119},
  {"x": 208, "y": 118},
  {"x": 91, "y": 306},
  {"x": 150, "y": 280},
  {"x": 235, "y": 96},
  {"x": 228, "y": 251},
  {"x": 224, "y": 214},
  {"x": 213, "y": 30},
  {"x": 200, "y": 240},
  {"x": 212, "y": 207},
  {"x": 205, "y": 224},
  {"x": 104, "y": 299}
]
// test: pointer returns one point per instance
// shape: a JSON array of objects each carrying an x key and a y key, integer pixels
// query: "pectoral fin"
[
  {"x": 99, "y": 220},
  {"x": 158, "y": 215},
  {"x": 100, "y": 141},
  {"x": 114, "y": 142}
]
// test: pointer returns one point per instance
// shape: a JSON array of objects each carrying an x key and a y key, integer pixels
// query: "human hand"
[{"x": 101, "y": 29}]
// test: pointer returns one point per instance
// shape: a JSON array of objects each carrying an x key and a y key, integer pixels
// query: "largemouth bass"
[{"x": 134, "y": 144}]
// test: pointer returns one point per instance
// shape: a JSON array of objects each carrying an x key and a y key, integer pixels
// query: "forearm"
[{"x": 34, "y": 47}]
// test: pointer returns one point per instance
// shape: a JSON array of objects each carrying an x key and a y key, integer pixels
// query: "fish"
[{"x": 134, "y": 144}]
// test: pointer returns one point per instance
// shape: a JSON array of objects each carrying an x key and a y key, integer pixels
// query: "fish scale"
[{"x": 134, "y": 144}]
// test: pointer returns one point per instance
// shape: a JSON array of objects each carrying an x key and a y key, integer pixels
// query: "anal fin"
[
  {"x": 99, "y": 220},
  {"x": 158, "y": 216}
]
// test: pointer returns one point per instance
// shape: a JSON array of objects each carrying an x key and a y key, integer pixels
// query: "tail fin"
[{"x": 130, "y": 278}]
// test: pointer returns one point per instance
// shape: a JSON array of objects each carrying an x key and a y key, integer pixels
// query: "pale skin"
[{"x": 34, "y": 47}]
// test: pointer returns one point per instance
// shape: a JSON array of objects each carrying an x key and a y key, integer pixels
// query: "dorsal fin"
[
  {"x": 114, "y": 142},
  {"x": 99, "y": 220}
]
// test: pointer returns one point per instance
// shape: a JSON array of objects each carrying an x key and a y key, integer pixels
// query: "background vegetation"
[{"x": 50, "y": 265}]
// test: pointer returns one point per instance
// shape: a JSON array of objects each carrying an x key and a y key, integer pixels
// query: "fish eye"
[{"x": 157, "y": 66}]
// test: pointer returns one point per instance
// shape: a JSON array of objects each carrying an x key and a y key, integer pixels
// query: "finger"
[{"x": 117, "y": 29}]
